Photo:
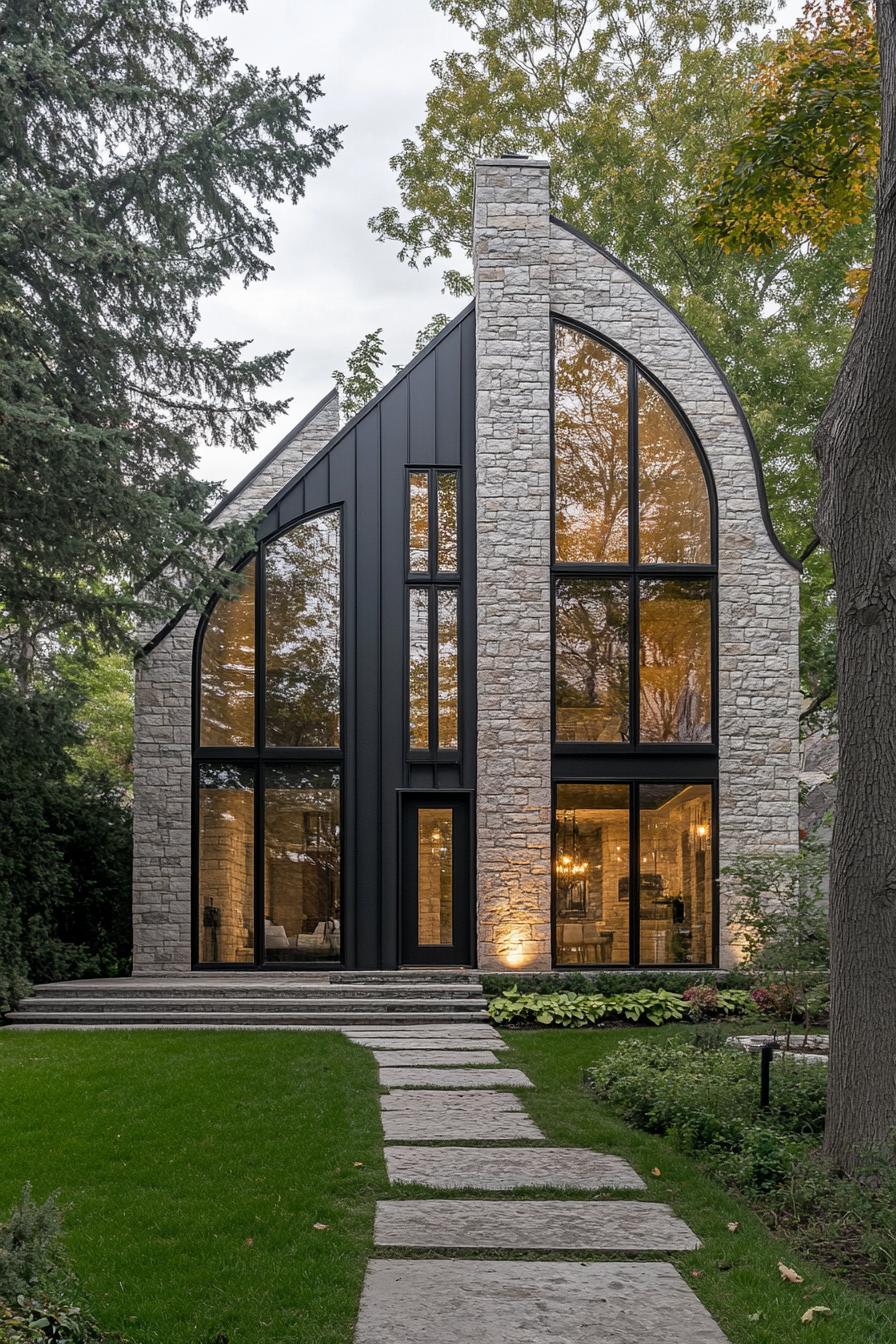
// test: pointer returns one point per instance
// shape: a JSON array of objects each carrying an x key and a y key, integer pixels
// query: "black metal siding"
[{"x": 424, "y": 417}]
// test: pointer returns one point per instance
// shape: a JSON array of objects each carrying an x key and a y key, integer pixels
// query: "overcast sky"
[{"x": 333, "y": 281}]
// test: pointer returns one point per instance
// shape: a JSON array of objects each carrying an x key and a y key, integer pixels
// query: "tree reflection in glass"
[
  {"x": 447, "y": 609},
  {"x": 590, "y": 451},
  {"x": 673, "y": 501},
  {"x": 418, "y": 522},
  {"x": 227, "y": 681},
  {"x": 446, "y": 495},
  {"x": 591, "y": 660},
  {"x": 302, "y": 618},
  {"x": 675, "y": 661},
  {"x": 418, "y": 668}
]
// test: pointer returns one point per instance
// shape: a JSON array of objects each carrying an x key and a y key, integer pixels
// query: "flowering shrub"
[{"x": 779, "y": 1000}]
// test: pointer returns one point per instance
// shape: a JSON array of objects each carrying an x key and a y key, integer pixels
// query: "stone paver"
[
  {"x": 417, "y": 1077},
  {"x": 433, "y": 1059},
  {"x": 531, "y": 1302},
  {"x": 509, "y": 1169},
  {"x": 429, "y": 1043},
  {"x": 532, "y": 1225},
  {"x": 430, "y": 1117}
]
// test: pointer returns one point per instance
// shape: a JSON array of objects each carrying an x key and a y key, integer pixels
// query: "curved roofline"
[{"x": 741, "y": 413}]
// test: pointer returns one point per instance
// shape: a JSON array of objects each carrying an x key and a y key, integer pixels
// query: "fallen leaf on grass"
[
  {"x": 732, "y": 1227},
  {"x": 321, "y": 1227},
  {"x": 755, "y": 1316},
  {"x": 655, "y": 1171},
  {"x": 809, "y": 1316},
  {"x": 357, "y": 1164},
  {"x": 696, "y": 1273},
  {"x": 789, "y": 1274},
  {"x": 250, "y": 1241}
]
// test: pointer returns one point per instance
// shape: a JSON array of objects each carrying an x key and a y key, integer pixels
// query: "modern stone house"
[{"x": 512, "y": 673}]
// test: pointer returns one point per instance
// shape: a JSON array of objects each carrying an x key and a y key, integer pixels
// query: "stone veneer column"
[{"x": 513, "y": 498}]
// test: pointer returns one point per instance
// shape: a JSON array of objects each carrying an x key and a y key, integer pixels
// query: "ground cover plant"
[
  {"x": 657, "y": 1006},
  {"x": 704, "y": 1097},
  {"x": 736, "y": 1272},
  {"x": 216, "y": 1187}
]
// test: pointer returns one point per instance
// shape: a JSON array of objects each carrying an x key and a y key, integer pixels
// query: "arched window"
[
  {"x": 634, "y": 638},
  {"x": 268, "y": 757}
]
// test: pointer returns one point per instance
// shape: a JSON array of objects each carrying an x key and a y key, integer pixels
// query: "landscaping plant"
[
  {"x": 656, "y": 1006},
  {"x": 778, "y": 915}
]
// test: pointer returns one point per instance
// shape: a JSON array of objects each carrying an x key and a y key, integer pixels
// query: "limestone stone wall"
[
  {"x": 513, "y": 520},
  {"x": 163, "y": 747},
  {"x": 526, "y": 268}
]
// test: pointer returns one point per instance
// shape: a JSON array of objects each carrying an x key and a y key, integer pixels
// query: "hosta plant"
[{"x": 565, "y": 1009}]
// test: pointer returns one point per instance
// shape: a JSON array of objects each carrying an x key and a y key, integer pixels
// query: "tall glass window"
[
  {"x": 433, "y": 610},
  {"x": 268, "y": 819},
  {"x": 634, "y": 578}
]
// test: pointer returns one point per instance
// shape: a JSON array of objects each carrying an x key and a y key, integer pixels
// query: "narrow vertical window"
[
  {"x": 447, "y": 522},
  {"x": 447, "y": 690},
  {"x": 435, "y": 877},
  {"x": 227, "y": 669},
  {"x": 302, "y": 635},
  {"x": 591, "y": 670},
  {"x": 675, "y": 873},
  {"x": 226, "y": 863},
  {"x": 675, "y": 672},
  {"x": 672, "y": 494},
  {"x": 591, "y": 485},
  {"x": 591, "y": 873},
  {"x": 418, "y": 517},
  {"x": 418, "y": 669}
]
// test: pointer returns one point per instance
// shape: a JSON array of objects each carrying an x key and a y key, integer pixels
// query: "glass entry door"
[{"x": 436, "y": 881}]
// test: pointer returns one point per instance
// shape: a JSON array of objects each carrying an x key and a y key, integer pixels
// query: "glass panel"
[
  {"x": 591, "y": 873},
  {"x": 447, "y": 501},
  {"x": 675, "y": 661},
  {"x": 591, "y": 660},
  {"x": 590, "y": 450},
  {"x": 227, "y": 699},
  {"x": 448, "y": 666},
  {"x": 418, "y": 668},
  {"x": 226, "y": 863},
  {"x": 418, "y": 548},
  {"x": 303, "y": 609},
  {"x": 301, "y": 863},
  {"x": 674, "y": 504},
  {"x": 435, "y": 886},
  {"x": 676, "y": 873}
]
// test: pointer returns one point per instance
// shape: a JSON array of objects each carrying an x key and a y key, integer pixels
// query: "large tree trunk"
[{"x": 856, "y": 450}]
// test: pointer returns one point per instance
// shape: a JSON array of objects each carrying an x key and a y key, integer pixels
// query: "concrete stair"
[{"x": 257, "y": 999}]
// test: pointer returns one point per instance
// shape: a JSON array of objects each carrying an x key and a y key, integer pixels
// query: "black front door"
[{"x": 436, "y": 880}]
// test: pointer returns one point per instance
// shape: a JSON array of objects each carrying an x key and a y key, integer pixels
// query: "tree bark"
[{"x": 856, "y": 450}]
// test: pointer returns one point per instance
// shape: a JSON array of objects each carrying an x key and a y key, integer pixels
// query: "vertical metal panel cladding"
[{"x": 423, "y": 418}]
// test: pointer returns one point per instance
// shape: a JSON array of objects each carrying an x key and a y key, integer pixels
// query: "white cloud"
[{"x": 332, "y": 280}]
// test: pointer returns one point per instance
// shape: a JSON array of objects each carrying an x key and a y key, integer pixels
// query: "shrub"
[
  {"x": 707, "y": 1100},
  {"x": 778, "y": 912},
  {"x": 34, "y": 1280},
  {"x": 656, "y": 1006},
  {"x": 609, "y": 982}
]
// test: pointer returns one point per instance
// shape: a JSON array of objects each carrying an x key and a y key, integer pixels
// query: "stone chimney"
[{"x": 513, "y": 525}]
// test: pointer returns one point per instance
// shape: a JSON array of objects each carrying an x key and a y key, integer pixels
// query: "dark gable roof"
[{"x": 745, "y": 424}]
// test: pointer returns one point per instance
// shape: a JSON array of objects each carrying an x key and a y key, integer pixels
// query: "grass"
[
  {"x": 736, "y": 1273},
  {"x": 193, "y": 1167}
]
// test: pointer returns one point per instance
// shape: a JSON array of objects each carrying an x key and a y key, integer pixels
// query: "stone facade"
[
  {"x": 511, "y": 257},
  {"x": 527, "y": 267},
  {"x": 163, "y": 738}
]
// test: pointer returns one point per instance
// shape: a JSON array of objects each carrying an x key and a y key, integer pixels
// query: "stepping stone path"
[
  {"x": 447, "y": 1090},
  {"x": 509, "y": 1169}
]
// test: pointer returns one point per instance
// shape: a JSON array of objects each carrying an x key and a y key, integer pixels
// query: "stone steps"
[{"x": 395, "y": 1002}]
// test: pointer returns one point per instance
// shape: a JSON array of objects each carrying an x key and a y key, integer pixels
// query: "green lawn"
[
  {"x": 193, "y": 1167},
  {"x": 738, "y": 1277}
]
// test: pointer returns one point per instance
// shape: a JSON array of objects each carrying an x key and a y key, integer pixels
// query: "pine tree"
[{"x": 138, "y": 164}]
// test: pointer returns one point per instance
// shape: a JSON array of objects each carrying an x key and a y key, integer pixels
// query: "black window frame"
[
  {"x": 635, "y": 762},
  {"x": 432, "y": 581},
  {"x": 260, "y": 755}
]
